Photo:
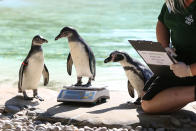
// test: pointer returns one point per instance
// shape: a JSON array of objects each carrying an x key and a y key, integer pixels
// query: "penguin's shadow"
[
  {"x": 123, "y": 106},
  {"x": 20, "y": 102},
  {"x": 64, "y": 107}
]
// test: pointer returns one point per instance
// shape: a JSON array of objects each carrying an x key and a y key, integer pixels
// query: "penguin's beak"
[
  {"x": 58, "y": 36},
  {"x": 108, "y": 59},
  {"x": 44, "y": 41}
]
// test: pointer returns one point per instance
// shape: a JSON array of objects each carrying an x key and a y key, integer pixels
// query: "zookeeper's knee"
[{"x": 146, "y": 106}]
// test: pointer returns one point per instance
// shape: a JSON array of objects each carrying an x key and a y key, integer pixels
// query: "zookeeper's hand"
[
  {"x": 171, "y": 52},
  {"x": 180, "y": 69}
]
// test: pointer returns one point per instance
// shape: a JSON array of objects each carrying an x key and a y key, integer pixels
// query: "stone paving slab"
[{"x": 116, "y": 112}]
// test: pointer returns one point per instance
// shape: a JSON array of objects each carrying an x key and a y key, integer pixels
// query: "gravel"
[
  {"x": 25, "y": 120},
  {"x": 22, "y": 122}
]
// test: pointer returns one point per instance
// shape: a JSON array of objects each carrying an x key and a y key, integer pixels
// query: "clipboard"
[{"x": 154, "y": 56}]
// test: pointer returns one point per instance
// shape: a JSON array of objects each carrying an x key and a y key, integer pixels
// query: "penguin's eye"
[{"x": 38, "y": 39}]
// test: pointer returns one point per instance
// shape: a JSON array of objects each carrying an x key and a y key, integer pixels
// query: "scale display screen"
[{"x": 78, "y": 94}]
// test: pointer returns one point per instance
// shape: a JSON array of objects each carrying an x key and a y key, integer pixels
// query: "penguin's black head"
[
  {"x": 66, "y": 32},
  {"x": 115, "y": 56},
  {"x": 38, "y": 40}
]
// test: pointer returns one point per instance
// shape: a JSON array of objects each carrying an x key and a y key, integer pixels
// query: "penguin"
[
  {"x": 80, "y": 55},
  {"x": 32, "y": 68},
  {"x": 137, "y": 73}
]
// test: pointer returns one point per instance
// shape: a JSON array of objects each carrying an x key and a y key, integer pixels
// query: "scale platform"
[{"x": 83, "y": 94}]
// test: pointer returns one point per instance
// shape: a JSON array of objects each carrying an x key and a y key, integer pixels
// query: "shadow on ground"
[
  {"x": 20, "y": 102},
  {"x": 123, "y": 106},
  {"x": 17, "y": 103}
]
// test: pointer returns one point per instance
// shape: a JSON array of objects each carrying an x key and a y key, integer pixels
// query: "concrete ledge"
[{"x": 114, "y": 113}]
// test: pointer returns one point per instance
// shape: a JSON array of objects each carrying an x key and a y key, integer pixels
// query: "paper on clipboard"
[{"x": 155, "y": 57}]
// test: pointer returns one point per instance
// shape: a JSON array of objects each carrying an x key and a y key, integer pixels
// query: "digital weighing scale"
[{"x": 83, "y": 94}]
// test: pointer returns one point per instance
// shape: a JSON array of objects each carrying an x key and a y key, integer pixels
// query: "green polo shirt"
[{"x": 182, "y": 27}]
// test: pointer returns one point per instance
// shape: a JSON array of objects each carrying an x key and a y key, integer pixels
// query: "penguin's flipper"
[
  {"x": 130, "y": 90},
  {"x": 21, "y": 72},
  {"x": 45, "y": 74},
  {"x": 92, "y": 64},
  {"x": 69, "y": 64},
  {"x": 146, "y": 72},
  {"x": 92, "y": 61}
]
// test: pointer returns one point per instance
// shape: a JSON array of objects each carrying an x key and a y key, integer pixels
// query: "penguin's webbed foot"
[
  {"x": 28, "y": 98},
  {"x": 39, "y": 98},
  {"x": 87, "y": 84},
  {"x": 78, "y": 84},
  {"x": 35, "y": 95},
  {"x": 138, "y": 101},
  {"x": 79, "y": 81}
]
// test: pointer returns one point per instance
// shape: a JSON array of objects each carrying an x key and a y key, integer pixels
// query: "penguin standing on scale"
[
  {"x": 137, "y": 73},
  {"x": 32, "y": 68},
  {"x": 80, "y": 55}
]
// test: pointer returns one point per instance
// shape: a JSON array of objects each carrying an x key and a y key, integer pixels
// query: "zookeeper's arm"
[
  {"x": 163, "y": 34},
  {"x": 193, "y": 69}
]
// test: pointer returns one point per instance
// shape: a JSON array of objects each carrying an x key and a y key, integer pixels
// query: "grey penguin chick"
[
  {"x": 137, "y": 73},
  {"x": 80, "y": 55},
  {"x": 32, "y": 68}
]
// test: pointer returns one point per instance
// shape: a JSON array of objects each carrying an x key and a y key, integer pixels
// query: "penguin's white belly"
[
  {"x": 80, "y": 59},
  {"x": 136, "y": 82},
  {"x": 33, "y": 72}
]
